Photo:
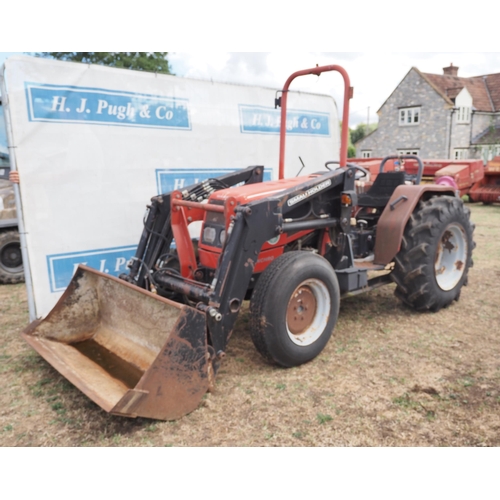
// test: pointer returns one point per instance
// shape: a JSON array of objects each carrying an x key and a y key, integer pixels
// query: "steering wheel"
[
  {"x": 363, "y": 171},
  {"x": 332, "y": 163}
]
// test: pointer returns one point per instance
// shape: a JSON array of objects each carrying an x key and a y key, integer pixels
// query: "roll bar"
[{"x": 348, "y": 93}]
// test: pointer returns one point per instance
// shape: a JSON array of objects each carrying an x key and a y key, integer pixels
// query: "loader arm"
[{"x": 157, "y": 235}]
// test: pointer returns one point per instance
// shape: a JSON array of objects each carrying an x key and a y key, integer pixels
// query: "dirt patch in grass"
[{"x": 388, "y": 377}]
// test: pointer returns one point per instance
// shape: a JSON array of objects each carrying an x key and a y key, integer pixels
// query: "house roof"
[
  {"x": 484, "y": 90},
  {"x": 436, "y": 87},
  {"x": 490, "y": 136},
  {"x": 367, "y": 135}
]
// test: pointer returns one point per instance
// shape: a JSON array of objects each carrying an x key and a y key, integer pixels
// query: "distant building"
[{"x": 438, "y": 116}]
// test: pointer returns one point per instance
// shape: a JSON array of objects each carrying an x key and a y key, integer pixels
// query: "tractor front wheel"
[
  {"x": 436, "y": 254},
  {"x": 294, "y": 308}
]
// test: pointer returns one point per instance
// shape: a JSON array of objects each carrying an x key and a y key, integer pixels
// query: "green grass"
[
  {"x": 323, "y": 418},
  {"x": 405, "y": 401}
]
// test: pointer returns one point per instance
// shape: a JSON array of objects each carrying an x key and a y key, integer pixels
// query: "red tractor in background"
[
  {"x": 487, "y": 190},
  {"x": 460, "y": 175}
]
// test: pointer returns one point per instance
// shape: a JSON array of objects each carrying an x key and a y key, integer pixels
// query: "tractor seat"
[{"x": 381, "y": 191}]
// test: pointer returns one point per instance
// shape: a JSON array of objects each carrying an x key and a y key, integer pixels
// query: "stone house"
[{"x": 438, "y": 116}]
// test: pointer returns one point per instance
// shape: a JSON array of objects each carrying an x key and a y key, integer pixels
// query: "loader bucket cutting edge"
[{"x": 130, "y": 351}]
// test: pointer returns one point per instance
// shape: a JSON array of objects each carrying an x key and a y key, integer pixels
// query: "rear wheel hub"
[
  {"x": 11, "y": 257},
  {"x": 451, "y": 257}
]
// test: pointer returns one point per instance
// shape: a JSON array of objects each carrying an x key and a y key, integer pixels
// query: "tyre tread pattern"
[
  {"x": 258, "y": 300},
  {"x": 414, "y": 265}
]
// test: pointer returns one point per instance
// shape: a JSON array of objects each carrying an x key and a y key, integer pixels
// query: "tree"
[
  {"x": 155, "y": 62},
  {"x": 361, "y": 131},
  {"x": 351, "y": 150}
]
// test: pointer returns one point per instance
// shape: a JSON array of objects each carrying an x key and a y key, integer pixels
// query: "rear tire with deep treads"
[
  {"x": 436, "y": 254},
  {"x": 294, "y": 308}
]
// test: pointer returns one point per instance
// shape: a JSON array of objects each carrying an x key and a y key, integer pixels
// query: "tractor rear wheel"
[
  {"x": 436, "y": 254},
  {"x": 11, "y": 260},
  {"x": 294, "y": 308}
]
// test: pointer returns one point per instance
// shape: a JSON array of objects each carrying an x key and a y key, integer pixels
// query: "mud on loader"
[{"x": 150, "y": 342}]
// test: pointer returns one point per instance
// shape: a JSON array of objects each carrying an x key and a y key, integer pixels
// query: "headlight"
[
  {"x": 209, "y": 234},
  {"x": 222, "y": 237}
]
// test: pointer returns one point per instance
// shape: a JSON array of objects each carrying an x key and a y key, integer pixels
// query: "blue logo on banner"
[
  {"x": 172, "y": 179},
  {"x": 55, "y": 103},
  {"x": 262, "y": 120},
  {"x": 108, "y": 260}
]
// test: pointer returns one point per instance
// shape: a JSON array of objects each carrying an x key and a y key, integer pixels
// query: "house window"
[
  {"x": 488, "y": 152},
  {"x": 460, "y": 154},
  {"x": 405, "y": 152},
  {"x": 409, "y": 116},
  {"x": 463, "y": 115},
  {"x": 366, "y": 154}
]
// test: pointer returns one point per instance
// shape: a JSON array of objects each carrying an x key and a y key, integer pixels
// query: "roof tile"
[{"x": 485, "y": 90}]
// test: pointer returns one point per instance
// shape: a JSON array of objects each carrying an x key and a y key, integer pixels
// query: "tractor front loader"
[{"x": 150, "y": 342}]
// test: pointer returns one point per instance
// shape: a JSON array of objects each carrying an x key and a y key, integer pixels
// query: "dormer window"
[
  {"x": 463, "y": 106},
  {"x": 409, "y": 116},
  {"x": 463, "y": 115}
]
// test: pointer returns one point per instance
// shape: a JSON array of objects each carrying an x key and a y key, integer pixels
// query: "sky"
[{"x": 374, "y": 75}]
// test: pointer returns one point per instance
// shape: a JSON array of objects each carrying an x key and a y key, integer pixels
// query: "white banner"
[{"x": 93, "y": 144}]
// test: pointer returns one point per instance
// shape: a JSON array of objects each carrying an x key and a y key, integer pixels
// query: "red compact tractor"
[{"x": 150, "y": 344}]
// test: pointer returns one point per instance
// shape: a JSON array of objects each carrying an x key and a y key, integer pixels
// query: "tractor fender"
[{"x": 392, "y": 222}]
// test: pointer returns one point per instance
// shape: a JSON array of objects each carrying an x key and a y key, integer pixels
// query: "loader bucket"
[{"x": 130, "y": 351}]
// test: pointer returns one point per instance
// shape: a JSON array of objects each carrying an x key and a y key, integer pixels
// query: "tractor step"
[{"x": 352, "y": 279}]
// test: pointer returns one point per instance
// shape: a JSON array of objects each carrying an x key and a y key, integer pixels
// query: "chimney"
[{"x": 451, "y": 70}]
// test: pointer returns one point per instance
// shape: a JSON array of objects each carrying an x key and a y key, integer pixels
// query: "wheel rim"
[
  {"x": 11, "y": 258},
  {"x": 307, "y": 312},
  {"x": 451, "y": 257}
]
